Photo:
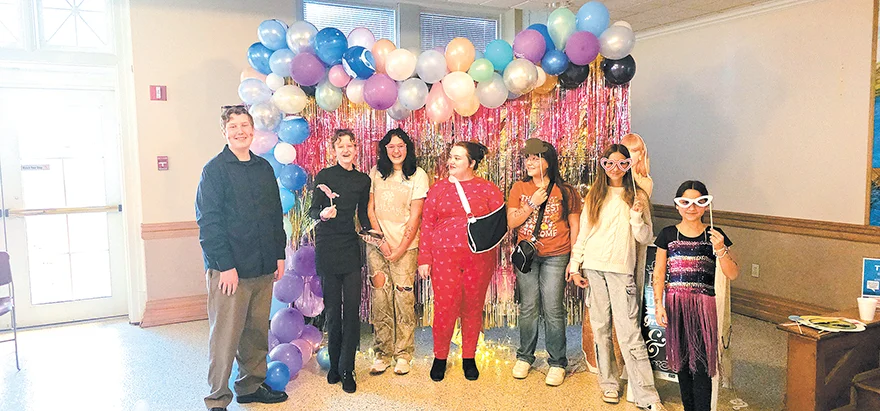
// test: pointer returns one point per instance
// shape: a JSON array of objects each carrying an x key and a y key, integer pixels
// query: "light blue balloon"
[
  {"x": 253, "y": 91},
  {"x": 323, "y": 358},
  {"x": 593, "y": 17},
  {"x": 294, "y": 130},
  {"x": 279, "y": 62},
  {"x": 500, "y": 53},
  {"x": 276, "y": 306},
  {"x": 273, "y": 34},
  {"x": 288, "y": 199},
  {"x": 330, "y": 45},
  {"x": 258, "y": 57}
]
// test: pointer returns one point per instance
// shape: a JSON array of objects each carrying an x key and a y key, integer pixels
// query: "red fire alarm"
[
  {"x": 162, "y": 162},
  {"x": 157, "y": 93}
]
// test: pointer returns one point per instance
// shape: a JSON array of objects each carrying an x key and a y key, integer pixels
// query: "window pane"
[
  {"x": 84, "y": 182},
  {"x": 88, "y": 232},
  {"x": 50, "y": 277},
  {"x": 79, "y": 24},
  {"x": 42, "y": 183},
  {"x": 10, "y": 24},
  {"x": 347, "y": 18},
  {"x": 90, "y": 274},
  {"x": 438, "y": 30}
]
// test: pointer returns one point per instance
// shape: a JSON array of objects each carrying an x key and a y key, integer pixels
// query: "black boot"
[
  {"x": 348, "y": 383},
  {"x": 332, "y": 376},
  {"x": 438, "y": 370},
  {"x": 469, "y": 365}
]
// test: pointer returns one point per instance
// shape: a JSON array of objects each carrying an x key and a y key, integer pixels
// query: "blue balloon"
[
  {"x": 258, "y": 57},
  {"x": 500, "y": 53},
  {"x": 294, "y": 130},
  {"x": 554, "y": 62},
  {"x": 593, "y": 17},
  {"x": 234, "y": 374},
  {"x": 293, "y": 177},
  {"x": 288, "y": 199},
  {"x": 358, "y": 62},
  {"x": 330, "y": 45},
  {"x": 323, "y": 358},
  {"x": 273, "y": 34},
  {"x": 277, "y": 375},
  {"x": 270, "y": 157},
  {"x": 279, "y": 62},
  {"x": 542, "y": 28}
]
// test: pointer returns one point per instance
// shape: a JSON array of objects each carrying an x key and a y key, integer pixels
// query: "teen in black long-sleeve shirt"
[{"x": 338, "y": 253}]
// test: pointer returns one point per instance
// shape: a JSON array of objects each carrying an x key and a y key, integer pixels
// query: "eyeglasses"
[
  {"x": 400, "y": 147},
  {"x": 609, "y": 164},
  {"x": 701, "y": 201}
]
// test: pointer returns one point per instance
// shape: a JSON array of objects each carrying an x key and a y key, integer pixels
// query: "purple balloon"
[
  {"x": 530, "y": 45},
  {"x": 314, "y": 285},
  {"x": 288, "y": 288},
  {"x": 304, "y": 261},
  {"x": 305, "y": 348},
  {"x": 380, "y": 91},
  {"x": 287, "y": 324},
  {"x": 313, "y": 335},
  {"x": 273, "y": 341},
  {"x": 306, "y": 69},
  {"x": 310, "y": 304},
  {"x": 582, "y": 48},
  {"x": 290, "y": 355}
]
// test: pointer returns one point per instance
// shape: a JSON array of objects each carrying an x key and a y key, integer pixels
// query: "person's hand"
[
  {"x": 637, "y": 207},
  {"x": 579, "y": 280},
  {"x": 280, "y": 271},
  {"x": 424, "y": 271},
  {"x": 385, "y": 249},
  {"x": 328, "y": 213},
  {"x": 395, "y": 255},
  {"x": 660, "y": 315},
  {"x": 539, "y": 197},
  {"x": 717, "y": 240},
  {"x": 228, "y": 281}
]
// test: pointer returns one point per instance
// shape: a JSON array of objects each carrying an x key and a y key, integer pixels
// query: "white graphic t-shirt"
[{"x": 392, "y": 198}]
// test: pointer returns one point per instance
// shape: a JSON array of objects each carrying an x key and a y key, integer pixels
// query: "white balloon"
[
  {"x": 459, "y": 86},
  {"x": 431, "y": 66},
  {"x": 542, "y": 77},
  {"x": 398, "y": 111},
  {"x": 266, "y": 116},
  {"x": 253, "y": 91},
  {"x": 622, "y": 23},
  {"x": 616, "y": 42},
  {"x": 301, "y": 37},
  {"x": 285, "y": 153},
  {"x": 290, "y": 99},
  {"x": 520, "y": 76},
  {"x": 492, "y": 93},
  {"x": 413, "y": 93},
  {"x": 274, "y": 81},
  {"x": 355, "y": 91},
  {"x": 328, "y": 97},
  {"x": 400, "y": 64}
]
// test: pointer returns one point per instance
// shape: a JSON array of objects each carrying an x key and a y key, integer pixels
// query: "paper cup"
[{"x": 867, "y": 308}]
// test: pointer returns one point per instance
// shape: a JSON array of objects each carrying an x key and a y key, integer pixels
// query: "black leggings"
[
  {"x": 696, "y": 388},
  {"x": 342, "y": 301}
]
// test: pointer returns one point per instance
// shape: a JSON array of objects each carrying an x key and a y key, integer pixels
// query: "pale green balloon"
[
  {"x": 327, "y": 96},
  {"x": 561, "y": 24},
  {"x": 481, "y": 70},
  {"x": 288, "y": 227}
]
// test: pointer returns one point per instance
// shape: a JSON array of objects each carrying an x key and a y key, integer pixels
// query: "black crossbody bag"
[
  {"x": 485, "y": 232},
  {"x": 525, "y": 251}
]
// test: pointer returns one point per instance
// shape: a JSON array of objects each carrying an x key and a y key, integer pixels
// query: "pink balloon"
[
  {"x": 306, "y": 69},
  {"x": 438, "y": 106},
  {"x": 582, "y": 48},
  {"x": 337, "y": 76},
  {"x": 313, "y": 335},
  {"x": 305, "y": 348},
  {"x": 530, "y": 45},
  {"x": 263, "y": 141},
  {"x": 361, "y": 36},
  {"x": 380, "y": 91}
]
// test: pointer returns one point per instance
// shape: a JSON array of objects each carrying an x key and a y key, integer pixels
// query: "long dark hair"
[
  {"x": 384, "y": 165},
  {"x": 568, "y": 191},
  {"x": 599, "y": 189},
  {"x": 692, "y": 185}
]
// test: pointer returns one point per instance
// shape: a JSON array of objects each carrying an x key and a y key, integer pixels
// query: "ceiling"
[{"x": 641, "y": 14}]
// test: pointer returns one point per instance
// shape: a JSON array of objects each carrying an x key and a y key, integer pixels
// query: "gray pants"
[
  {"x": 614, "y": 295},
  {"x": 239, "y": 330}
]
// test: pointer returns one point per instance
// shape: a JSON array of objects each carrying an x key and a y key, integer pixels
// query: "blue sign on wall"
[{"x": 871, "y": 277}]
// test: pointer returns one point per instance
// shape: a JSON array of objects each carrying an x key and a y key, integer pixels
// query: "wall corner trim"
[{"x": 175, "y": 310}]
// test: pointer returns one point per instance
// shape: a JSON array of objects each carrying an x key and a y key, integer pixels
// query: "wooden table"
[{"x": 821, "y": 366}]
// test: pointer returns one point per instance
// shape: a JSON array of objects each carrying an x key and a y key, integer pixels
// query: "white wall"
[{"x": 770, "y": 110}]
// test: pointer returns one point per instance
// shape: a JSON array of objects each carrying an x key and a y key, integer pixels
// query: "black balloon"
[
  {"x": 619, "y": 72},
  {"x": 573, "y": 76},
  {"x": 309, "y": 90}
]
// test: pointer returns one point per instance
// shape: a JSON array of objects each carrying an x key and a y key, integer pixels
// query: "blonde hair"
[{"x": 635, "y": 142}]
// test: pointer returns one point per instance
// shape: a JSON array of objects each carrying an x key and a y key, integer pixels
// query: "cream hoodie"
[{"x": 610, "y": 245}]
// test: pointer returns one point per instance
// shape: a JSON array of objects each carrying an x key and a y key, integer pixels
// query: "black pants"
[
  {"x": 342, "y": 301},
  {"x": 696, "y": 388}
]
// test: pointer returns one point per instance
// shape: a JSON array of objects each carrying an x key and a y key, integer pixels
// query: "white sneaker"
[
  {"x": 521, "y": 369},
  {"x": 379, "y": 366},
  {"x": 402, "y": 367},
  {"x": 657, "y": 406},
  {"x": 611, "y": 396},
  {"x": 555, "y": 376}
]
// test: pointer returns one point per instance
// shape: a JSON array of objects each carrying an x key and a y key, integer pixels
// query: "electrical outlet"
[{"x": 756, "y": 270}]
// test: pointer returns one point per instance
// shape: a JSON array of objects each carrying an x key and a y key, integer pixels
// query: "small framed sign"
[{"x": 871, "y": 277}]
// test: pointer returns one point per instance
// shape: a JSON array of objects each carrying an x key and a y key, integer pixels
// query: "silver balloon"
[
  {"x": 301, "y": 37},
  {"x": 492, "y": 93},
  {"x": 266, "y": 116},
  {"x": 431, "y": 66},
  {"x": 412, "y": 94},
  {"x": 617, "y": 42},
  {"x": 328, "y": 96},
  {"x": 520, "y": 76},
  {"x": 398, "y": 111}
]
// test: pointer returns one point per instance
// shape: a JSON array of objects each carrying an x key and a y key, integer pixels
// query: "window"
[
  {"x": 382, "y": 22},
  {"x": 439, "y": 30},
  {"x": 11, "y": 35},
  {"x": 78, "y": 24}
]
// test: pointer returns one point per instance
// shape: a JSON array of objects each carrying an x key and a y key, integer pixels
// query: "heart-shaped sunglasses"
[{"x": 609, "y": 164}]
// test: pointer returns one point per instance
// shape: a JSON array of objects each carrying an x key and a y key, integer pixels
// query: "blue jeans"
[{"x": 541, "y": 291}]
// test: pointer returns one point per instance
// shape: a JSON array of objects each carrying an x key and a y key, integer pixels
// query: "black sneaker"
[
  {"x": 218, "y": 409},
  {"x": 332, "y": 377},
  {"x": 469, "y": 365},
  {"x": 264, "y": 394},
  {"x": 348, "y": 383},
  {"x": 438, "y": 370}
]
